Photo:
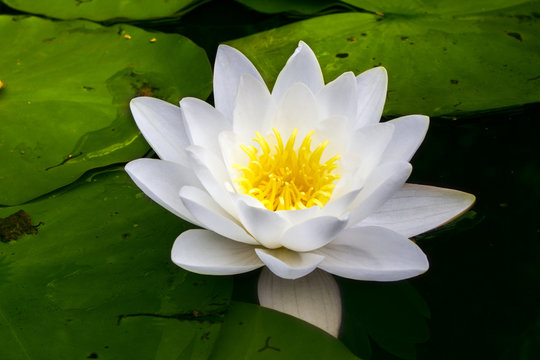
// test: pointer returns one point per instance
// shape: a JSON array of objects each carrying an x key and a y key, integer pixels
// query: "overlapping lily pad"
[
  {"x": 404, "y": 7},
  {"x": 101, "y": 10},
  {"x": 67, "y": 85},
  {"x": 437, "y": 65},
  {"x": 96, "y": 281},
  {"x": 418, "y": 7},
  {"x": 253, "y": 332}
]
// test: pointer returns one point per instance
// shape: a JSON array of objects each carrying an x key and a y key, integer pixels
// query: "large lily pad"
[
  {"x": 437, "y": 65},
  {"x": 100, "y": 10},
  {"x": 388, "y": 6},
  {"x": 96, "y": 281},
  {"x": 253, "y": 332},
  {"x": 448, "y": 7},
  {"x": 67, "y": 85}
]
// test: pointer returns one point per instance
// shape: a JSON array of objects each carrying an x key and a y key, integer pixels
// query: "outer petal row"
[
  {"x": 363, "y": 253},
  {"x": 205, "y": 252},
  {"x": 415, "y": 209},
  {"x": 161, "y": 181},
  {"x": 373, "y": 253},
  {"x": 162, "y": 125}
]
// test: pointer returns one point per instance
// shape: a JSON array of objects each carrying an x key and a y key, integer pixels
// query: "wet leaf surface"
[
  {"x": 437, "y": 66},
  {"x": 101, "y": 10},
  {"x": 254, "y": 332},
  {"x": 97, "y": 279},
  {"x": 67, "y": 86}
]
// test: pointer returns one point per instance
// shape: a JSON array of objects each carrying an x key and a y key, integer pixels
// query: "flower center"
[{"x": 285, "y": 178}]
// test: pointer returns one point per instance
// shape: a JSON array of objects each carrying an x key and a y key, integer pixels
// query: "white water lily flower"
[{"x": 299, "y": 178}]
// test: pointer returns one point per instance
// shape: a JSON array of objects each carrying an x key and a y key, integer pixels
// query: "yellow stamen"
[{"x": 287, "y": 179}]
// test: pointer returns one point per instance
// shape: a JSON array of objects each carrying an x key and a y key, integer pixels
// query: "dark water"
[{"x": 483, "y": 287}]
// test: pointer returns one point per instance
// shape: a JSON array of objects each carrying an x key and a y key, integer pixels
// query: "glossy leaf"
[
  {"x": 437, "y": 66},
  {"x": 254, "y": 332},
  {"x": 447, "y": 7},
  {"x": 96, "y": 281},
  {"x": 101, "y": 10},
  {"x": 67, "y": 85}
]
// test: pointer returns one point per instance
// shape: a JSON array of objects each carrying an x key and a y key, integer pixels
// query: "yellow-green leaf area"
[
  {"x": 101, "y": 10},
  {"x": 64, "y": 104}
]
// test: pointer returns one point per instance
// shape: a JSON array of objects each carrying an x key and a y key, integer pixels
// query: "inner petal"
[{"x": 285, "y": 177}]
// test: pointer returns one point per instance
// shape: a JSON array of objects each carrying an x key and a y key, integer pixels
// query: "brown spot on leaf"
[
  {"x": 453, "y": 82},
  {"x": 16, "y": 226},
  {"x": 342, "y": 55},
  {"x": 145, "y": 90}
]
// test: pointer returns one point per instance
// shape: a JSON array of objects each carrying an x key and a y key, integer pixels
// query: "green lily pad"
[
  {"x": 448, "y": 7},
  {"x": 254, "y": 332},
  {"x": 67, "y": 86},
  {"x": 416, "y": 7},
  {"x": 437, "y": 66},
  {"x": 101, "y": 10},
  {"x": 96, "y": 281}
]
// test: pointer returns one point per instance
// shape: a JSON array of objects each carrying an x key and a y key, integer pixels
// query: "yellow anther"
[{"x": 287, "y": 179}]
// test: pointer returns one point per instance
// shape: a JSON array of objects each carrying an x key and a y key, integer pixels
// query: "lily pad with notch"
[{"x": 67, "y": 86}]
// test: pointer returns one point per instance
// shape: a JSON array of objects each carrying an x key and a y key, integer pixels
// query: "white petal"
[
  {"x": 230, "y": 65},
  {"x": 314, "y": 298},
  {"x": 162, "y": 126},
  {"x": 289, "y": 264},
  {"x": 372, "y": 85},
  {"x": 382, "y": 184},
  {"x": 313, "y": 234},
  {"x": 211, "y": 216},
  {"x": 369, "y": 146},
  {"x": 205, "y": 252},
  {"x": 373, "y": 253},
  {"x": 337, "y": 132},
  {"x": 362, "y": 156},
  {"x": 229, "y": 144},
  {"x": 297, "y": 110},
  {"x": 294, "y": 217},
  {"x": 203, "y": 123},
  {"x": 408, "y": 135},
  {"x": 337, "y": 207},
  {"x": 302, "y": 67},
  {"x": 212, "y": 174},
  {"x": 254, "y": 108},
  {"x": 415, "y": 209},
  {"x": 339, "y": 98},
  {"x": 161, "y": 181},
  {"x": 264, "y": 225}
]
